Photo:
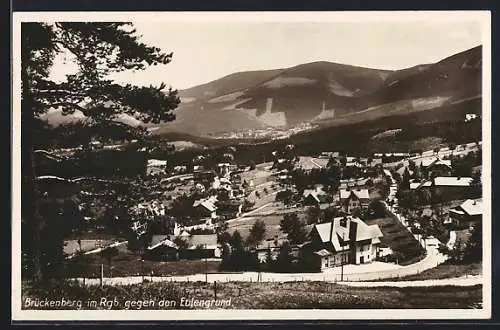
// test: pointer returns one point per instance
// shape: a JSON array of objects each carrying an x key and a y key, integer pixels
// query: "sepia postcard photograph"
[{"x": 251, "y": 165}]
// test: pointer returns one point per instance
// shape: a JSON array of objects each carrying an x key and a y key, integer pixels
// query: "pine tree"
[
  {"x": 99, "y": 49},
  {"x": 405, "y": 181},
  {"x": 257, "y": 233}
]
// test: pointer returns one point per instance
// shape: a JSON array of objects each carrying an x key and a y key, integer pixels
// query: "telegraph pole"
[
  {"x": 342, "y": 268},
  {"x": 342, "y": 261},
  {"x": 206, "y": 271}
]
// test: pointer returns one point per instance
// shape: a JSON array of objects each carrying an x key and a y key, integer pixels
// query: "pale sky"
[{"x": 204, "y": 51}]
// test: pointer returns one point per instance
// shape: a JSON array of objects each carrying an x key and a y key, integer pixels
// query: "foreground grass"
[
  {"x": 443, "y": 271},
  {"x": 296, "y": 295},
  {"x": 129, "y": 264}
]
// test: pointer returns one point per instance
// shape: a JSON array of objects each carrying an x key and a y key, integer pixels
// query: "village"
[{"x": 382, "y": 216}]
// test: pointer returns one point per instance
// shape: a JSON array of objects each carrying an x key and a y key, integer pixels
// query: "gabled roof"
[
  {"x": 428, "y": 153},
  {"x": 206, "y": 203},
  {"x": 452, "y": 181},
  {"x": 315, "y": 193},
  {"x": 446, "y": 181},
  {"x": 159, "y": 240},
  {"x": 210, "y": 241},
  {"x": 426, "y": 162},
  {"x": 472, "y": 207},
  {"x": 414, "y": 185},
  {"x": 157, "y": 162},
  {"x": 359, "y": 193},
  {"x": 312, "y": 193},
  {"x": 339, "y": 233},
  {"x": 323, "y": 253},
  {"x": 423, "y": 184}
]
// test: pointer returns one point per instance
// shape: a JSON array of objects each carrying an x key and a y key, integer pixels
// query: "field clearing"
[
  {"x": 258, "y": 176},
  {"x": 290, "y": 295},
  {"x": 272, "y": 226},
  {"x": 309, "y": 163}
]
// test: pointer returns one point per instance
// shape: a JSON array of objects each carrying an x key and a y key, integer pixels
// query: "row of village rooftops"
[
  {"x": 158, "y": 166},
  {"x": 342, "y": 240},
  {"x": 224, "y": 202},
  {"x": 444, "y": 151},
  {"x": 351, "y": 195}
]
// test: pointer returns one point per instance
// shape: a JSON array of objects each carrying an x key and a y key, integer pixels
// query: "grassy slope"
[{"x": 297, "y": 295}]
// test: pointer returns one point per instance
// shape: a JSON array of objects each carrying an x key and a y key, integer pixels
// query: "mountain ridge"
[{"x": 323, "y": 91}]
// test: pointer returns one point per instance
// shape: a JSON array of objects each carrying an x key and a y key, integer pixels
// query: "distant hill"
[
  {"x": 228, "y": 84},
  {"x": 323, "y": 93}
]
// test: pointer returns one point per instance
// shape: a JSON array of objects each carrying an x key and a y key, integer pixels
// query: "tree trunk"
[{"x": 30, "y": 216}]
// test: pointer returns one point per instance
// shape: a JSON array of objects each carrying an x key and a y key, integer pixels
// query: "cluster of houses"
[
  {"x": 221, "y": 192},
  {"x": 342, "y": 240},
  {"x": 346, "y": 239},
  {"x": 437, "y": 180}
]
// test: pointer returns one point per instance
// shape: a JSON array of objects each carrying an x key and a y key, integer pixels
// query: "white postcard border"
[{"x": 483, "y": 17}]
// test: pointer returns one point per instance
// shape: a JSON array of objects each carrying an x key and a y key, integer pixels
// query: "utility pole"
[
  {"x": 142, "y": 269},
  {"x": 206, "y": 271},
  {"x": 102, "y": 274},
  {"x": 342, "y": 268},
  {"x": 342, "y": 260}
]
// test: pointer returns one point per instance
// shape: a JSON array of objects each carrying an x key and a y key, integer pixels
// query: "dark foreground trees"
[{"x": 98, "y": 49}]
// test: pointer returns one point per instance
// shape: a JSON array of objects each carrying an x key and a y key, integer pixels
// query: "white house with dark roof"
[
  {"x": 341, "y": 241},
  {"x": 447, "y": 187},
  {"x": 162, "y": 248},
  {"x": 468, "y": 214},
  {"x": 354, "y": 199},
  {"x": 440, "y": 167},
  {"x": 314, "y": 196},
  {"x": 206, "y": 207},
  {"x": 201, "y": 246}
]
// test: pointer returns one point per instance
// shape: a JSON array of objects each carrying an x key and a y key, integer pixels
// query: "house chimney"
[
  {"x": 343, "y": 222},
  {"x": 353, "y": 228},
  {"x": 331, "y": 230}
]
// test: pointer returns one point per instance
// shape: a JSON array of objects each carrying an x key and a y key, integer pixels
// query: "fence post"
[{"x": 102, "y": 274}]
